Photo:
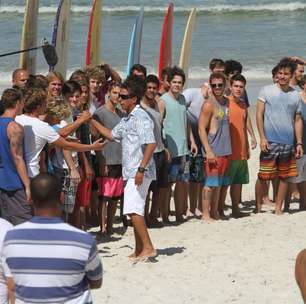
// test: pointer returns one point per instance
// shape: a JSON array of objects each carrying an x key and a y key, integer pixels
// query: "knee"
[{"x": 207, "y": 190}]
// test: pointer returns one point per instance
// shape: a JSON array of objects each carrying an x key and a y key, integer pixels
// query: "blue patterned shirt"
[{"x": 134, "y": 132}]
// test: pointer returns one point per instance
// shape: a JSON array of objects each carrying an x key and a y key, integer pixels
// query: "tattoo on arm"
[{"x": 16, "y": 140}]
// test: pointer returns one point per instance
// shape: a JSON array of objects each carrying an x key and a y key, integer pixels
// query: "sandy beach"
[{"x": 249, "y": 260}]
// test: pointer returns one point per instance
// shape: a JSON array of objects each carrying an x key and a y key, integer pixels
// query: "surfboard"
[
  {"x": 27, "y": 60},
  {"x": 135, "y": 43},
  {"x": 60, "y": 36},
  {"x": 186, "y": 44},
  {"x": 94, "y": 35},
  {"x": 165, "y": 52}
]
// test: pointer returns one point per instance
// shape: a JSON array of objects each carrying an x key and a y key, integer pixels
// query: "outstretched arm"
[{"x": 105, "y": 132}]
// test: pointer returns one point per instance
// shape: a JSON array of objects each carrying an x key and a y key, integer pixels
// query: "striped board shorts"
[
  {"x": 279, "y": 161},
  {"x": 217, "y": 174}
]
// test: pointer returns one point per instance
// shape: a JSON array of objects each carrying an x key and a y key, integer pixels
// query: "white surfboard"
[{"x": 29, "y": 36}]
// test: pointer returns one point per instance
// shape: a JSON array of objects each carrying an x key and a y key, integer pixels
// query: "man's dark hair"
[
  {"x": 238, "y": 77},
  {"x": 45, "y": 190},
  {"x": 287, "y": 63},
  {"x": 135, "y": 86},
  {"x": 274, "y": 71},
  {"x": 140, "y": 68},
  {"x": 232, "y": 66},
  {"x": 165, "y": 72},
  {"x": 79, "y": 75},
  {"x": 176, "y": 71},
  {"x": 70, "y": 87},
  {"x": 152, "y": 78},
  {"x": 216, "y": 63},
  {"x": 37, "y": 81},
  {"x": 9, "y": 98},
  {"x": 217, "y": 75}
]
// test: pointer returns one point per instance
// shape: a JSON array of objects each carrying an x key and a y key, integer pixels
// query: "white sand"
[{"x": 249, "y": 260}]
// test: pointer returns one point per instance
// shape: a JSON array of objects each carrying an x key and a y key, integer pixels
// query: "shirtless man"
[{"x": 215, "y": 138}]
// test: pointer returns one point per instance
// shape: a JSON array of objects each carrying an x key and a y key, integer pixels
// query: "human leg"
[
  {"x": 222, "y": 198},
  {"x": 287, "y": 169},
  {"x": 300, "y": 272},
  {"x": 134, "y": 207},
  {"x": 180, "y": 199},
  {"x": 302, "y": 190},
  {"x": 206, "y": 203},
  {"x": 260, "y": 189},
  {"x": 193, "y": 196},
  {"x": 280, "y": 197},
  {"x": 111, "y": 212}
]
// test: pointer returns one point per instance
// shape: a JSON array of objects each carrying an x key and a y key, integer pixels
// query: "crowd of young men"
[{"x": 108, "y": 141}]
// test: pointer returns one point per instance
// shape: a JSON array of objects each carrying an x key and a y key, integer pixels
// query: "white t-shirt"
[
  {"x": 4, "y": 227},
  {"x": 37, "y": 134}
]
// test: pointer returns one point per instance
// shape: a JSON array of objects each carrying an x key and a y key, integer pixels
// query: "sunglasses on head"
[{"x": 217, "y": 85}]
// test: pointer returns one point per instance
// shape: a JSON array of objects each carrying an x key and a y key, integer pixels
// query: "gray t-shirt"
[
  {"x": 113, "y": 150},
  {"x": 280, "y": 110},
  {"x": 155, "y": 116},
  {"x": 194, "y": 101}
]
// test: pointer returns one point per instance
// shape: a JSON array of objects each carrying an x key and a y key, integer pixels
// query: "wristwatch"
[{"x": 142, "y": 169}]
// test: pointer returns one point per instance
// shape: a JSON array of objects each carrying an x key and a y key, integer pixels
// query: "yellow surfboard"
[
  {"x": 29, "y": 36},
  {"x": 186, "y": 45},
  {"x": 93, "y": 55}
]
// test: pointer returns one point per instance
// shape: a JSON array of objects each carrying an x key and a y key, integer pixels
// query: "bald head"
[{"x": 20, "y": 78}]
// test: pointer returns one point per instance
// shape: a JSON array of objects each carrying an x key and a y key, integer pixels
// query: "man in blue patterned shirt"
[{"x": 138, "y": 143}]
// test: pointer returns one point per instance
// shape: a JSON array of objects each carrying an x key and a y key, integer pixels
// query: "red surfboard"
[
  {"x": 94, "y": 33},
  {"x": 165, "y": 53}
]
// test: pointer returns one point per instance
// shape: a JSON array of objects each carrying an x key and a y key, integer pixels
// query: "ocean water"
[{"x": 256, "y": 32}]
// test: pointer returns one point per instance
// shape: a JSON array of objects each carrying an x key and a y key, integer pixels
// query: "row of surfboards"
[{"x": 60, "y": 38}]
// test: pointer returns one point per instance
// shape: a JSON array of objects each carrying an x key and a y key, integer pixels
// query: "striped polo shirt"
[{"x": 51, "y": 261}]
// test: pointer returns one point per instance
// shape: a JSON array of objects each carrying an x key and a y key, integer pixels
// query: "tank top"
[
  {"x": 9, "y": 177},
  {"x": 175, "y": 125},
  {"x": 220, "y": 142}
]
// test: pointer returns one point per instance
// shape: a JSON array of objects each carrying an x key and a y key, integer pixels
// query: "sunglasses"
[
  {"x": 217, "y": 85},
  {"x": 125, "y": 97}
]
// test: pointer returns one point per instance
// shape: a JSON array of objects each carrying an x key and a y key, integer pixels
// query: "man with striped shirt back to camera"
[{"x": 51, "y": 261}]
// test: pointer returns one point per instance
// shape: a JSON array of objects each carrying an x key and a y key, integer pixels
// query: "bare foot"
[
  {"x": 132, "y": 256},
  {"x": 278, "y": 212},
  {"x": 267, "y": 201},
  {"x": 207, "y": 218},
  {"x": 145, "y": 254}
]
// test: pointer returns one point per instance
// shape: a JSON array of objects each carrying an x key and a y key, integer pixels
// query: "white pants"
[{"x": 135, "y": 196}]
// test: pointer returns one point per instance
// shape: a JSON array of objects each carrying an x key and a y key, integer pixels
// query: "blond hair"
[{"x": 57, "y": 108}]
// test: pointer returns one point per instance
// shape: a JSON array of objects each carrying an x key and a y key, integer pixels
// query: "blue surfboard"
[{"x": 135, "y": 43}]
